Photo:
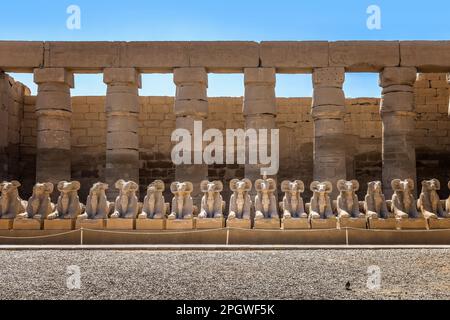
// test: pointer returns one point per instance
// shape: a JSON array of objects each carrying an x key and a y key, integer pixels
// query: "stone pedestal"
[
  {"x": 59, "y": 224},
  {"x": 122, "y": 139},
  {"x": 398, "y": 117},
  {"x": 6, "y": 224},
  {"x": 296, "y": 223},
  {"x": 54, "y": 116},
  {"x": 239, "y": 223},
  {"x": 209, "y": 223},
  {"x": 387, "y": 224},
  {"x": 191, "y": 107},
  {"x": 94, "y": 224},
  {"x": 120, "y": 224},
  {"x": 328, "y": 111},
  {"x": 150, "y": 224},
  {"x": 323, "y": 223},
  {"x": 441, "y": 223},
  {"x": 274, "y": 224},
  {"x": 412, "y": 224},
  {"x": 180, "y": 224},
  {"x": 358, "y": 223},
  {"x": 28, "y": 224},
  {"x": 260, "y": 112}
]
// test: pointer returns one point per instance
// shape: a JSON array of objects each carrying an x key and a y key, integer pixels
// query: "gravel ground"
[{"x": 305, "y": 274}]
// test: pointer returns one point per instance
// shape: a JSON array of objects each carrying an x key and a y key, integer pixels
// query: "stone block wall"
[
  {"x": 11, "y": 108},
  {"x": 363, "y": 131}
]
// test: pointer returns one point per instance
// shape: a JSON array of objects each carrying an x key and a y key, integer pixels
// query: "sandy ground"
[{"x": 303, "y": 274}]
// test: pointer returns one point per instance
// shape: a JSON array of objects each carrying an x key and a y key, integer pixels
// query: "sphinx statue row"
[{"x": 241, "y": 205}]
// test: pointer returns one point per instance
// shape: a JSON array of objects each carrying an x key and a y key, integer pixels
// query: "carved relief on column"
[
  {"x": 398, "y": 116},
  {"x": 191, "y": 105},
  {"x": 122, "y": 140},
  {"x": 54, "y": 115},
  {"x": 328, "y": 111}
]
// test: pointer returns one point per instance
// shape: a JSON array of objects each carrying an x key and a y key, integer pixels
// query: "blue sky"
[{"x": 167, "y": 20}]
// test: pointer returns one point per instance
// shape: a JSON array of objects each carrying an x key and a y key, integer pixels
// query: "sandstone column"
[
  {"x": 54, "y": 113},
  {"x": 122, "y": 140},
  {"x": 260, "y": 110},
  {"x": 398, "y": 116},
  {"x": 191, "y": 104},
  {"x": 328, "y": 111}
]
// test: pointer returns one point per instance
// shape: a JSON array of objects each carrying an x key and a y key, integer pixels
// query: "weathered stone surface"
[
  {"x": 296, "y": 223},
  {"x": 59, "y": 224},
  {"x": 196, "y": 108},
  {"x": 154, "y": 56},
  {"x": 293, "y": 56},
  {"x": 224, "y": 56},
  {"x": 94, "y": 224},
  {"x": 426, "y": 56},
  {"x": 180, "y": 224},
  {"x": 21, "y": 56},
  {"x": 120, "y": 224},
  {"x": 6, "y": 224},
  {"x": 328, "y": 77},
  {"x": 389, "y": 223},
  {"x": 267, "y": 224},
  {"x": 323, "y": 223},
  {"x": 28, "y": 224},
  {"x": 412, "y": 224},
  {"x": 209, "y": 223},
  {"x": 358, "y": 223},
  {"x": 364, "y": 56},
  {"x": 239, "y": 223},
  {"x": 53, "y": 75},
  {"x": 150, "y": 224},
  {"x": 82, "y": 56},
  {"x": 391, "y": 76}
]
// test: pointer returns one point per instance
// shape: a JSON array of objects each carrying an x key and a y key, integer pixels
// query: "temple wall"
[{"x": 11, "y": 110}]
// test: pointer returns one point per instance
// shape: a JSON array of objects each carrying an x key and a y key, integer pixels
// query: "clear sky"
[{"x": 260, "y": 20}]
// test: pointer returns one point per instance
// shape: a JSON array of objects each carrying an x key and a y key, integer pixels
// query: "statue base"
[
  {"x": 323, "y": 223},
  {"x": 267, "y": 224},
  {"x": 180, "y": 224},
  {"x": 386, "y": 224},
  {"x": 439, "y": 223},
  {"x": 412, "y": 224},
  {"x": 59, "y": 224},
  {"x": 27, "y": 224},
  {"x": 6, "y": 224},
  {"x": 296, "y": 223},
  {"x": 239, "y": 223},
  {"x": 209, "y": 223},
  {"x": 150, "y": 224},
  {"x": 120, "y": 224},
  {"x": 357, "y": 223},
  {"x": 96, "y": 224}
]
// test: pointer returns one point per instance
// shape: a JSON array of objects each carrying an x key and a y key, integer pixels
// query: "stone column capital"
[
  {"x": 129, "y": 76},
  {"x": 53, "y": 75},
  {"x": 328, "y": 77},
  {"x": 398, "y": 76},
  {"x": 261, "y": 76},
  {"x": 190, "y": 76}
]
